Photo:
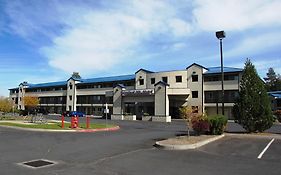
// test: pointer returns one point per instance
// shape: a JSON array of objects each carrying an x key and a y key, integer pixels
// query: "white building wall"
[
  {"x": 195, "y": 86},
  {"x": 171, "y": 75},
  {"x": 71, "y": 95},
  {"x": 141, "y": 75}
]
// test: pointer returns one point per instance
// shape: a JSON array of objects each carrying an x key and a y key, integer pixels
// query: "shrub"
[
  {"x": 277, "y": 113},
  {"x": 200, "y": 124},
  {"x": 217, "y": 124}
]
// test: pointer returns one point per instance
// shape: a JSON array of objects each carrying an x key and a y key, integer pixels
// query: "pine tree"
[
  {"x": 273, "y": 80},
  {"x": 252, "y": 109}
]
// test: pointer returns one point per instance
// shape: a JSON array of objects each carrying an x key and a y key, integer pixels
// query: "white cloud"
[
  {"x": 179, "y": 46},
  {"x": 230, "y": 15},
  {"x": 180, "y": 27},
  {"x": 255, "y": 44},
  {"x": 105, "y": 38},
  {"x": 87, "y": 37}
]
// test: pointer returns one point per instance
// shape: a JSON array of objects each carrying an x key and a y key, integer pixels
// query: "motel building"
[{"x": 145, "y": 95}]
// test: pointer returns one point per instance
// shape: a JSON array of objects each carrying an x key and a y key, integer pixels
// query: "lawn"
[{"x": 54, "y": 125}]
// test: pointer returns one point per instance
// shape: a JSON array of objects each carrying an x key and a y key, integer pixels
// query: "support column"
[
  {"x": 161, "y": 102},
  {"x": 117, "y": 103}
]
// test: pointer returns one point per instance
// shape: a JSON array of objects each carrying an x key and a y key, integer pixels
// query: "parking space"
[
  {"x": 274, "y": 151},
  {"x": 248, "y": 147},
  {"x": 130, "y": 151}
]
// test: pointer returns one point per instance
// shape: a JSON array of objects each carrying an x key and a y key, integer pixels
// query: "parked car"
[{"x": 73, "y": 113}]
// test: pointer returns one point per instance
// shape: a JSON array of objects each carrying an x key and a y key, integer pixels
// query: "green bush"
[{"x": 217, "y": 124}]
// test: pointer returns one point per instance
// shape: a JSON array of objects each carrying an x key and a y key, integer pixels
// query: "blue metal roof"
[
  {"x": 82, "y": 81},
  {"x": 275, "y": 94},
  {"x": 58, "y": 83},
  {"x": 216, "y": 70},
  {"x": 108, "y": 79}
]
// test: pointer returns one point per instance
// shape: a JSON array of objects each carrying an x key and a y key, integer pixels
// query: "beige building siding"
[
  {"x": 216, "y": 85},
  {"x": 195, "y": 86},
  {"x": 160, "y": 99}
]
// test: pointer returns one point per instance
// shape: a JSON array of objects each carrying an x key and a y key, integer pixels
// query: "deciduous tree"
[
  {"x": 5, "y": 104},
  {"x": 186, "y": 113},
  {"x": 31, "y": 102}
]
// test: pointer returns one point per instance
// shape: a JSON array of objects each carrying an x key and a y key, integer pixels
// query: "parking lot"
[{"x": 130, "y": 151}]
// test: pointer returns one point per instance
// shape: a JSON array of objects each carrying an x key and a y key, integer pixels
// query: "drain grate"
[{"x": 38, "y": 163}]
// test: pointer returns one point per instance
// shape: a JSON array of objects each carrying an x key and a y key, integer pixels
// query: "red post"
[
  {"x": 88, "y": 122},
  {"x": 77, "y": 119},
  {"x": 72, "y": 122},
  {"x": 62, "y": 121}
]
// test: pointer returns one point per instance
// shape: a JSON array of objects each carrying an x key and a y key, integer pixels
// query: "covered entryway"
[{"x": 176, "y": 101}]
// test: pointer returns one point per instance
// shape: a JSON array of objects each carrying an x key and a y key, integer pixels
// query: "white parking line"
[{"x": 263, "y": 151}]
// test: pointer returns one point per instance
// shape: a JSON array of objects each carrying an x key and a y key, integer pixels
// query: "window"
[
  {"x": 194, "y": 78},
  {"x": 70, "y": 97},
  {"x": 178, "y": 79},
  {"x": 152, "y": 80},
  {"x": 165, "y": 79},
  {"x": 141, "y": 81},
  {"x": 194, "y": 94},
  {"x": 98, "y": 98},
  {"x": 231, "y": 77},
  {"x": 70, "y": 86}
]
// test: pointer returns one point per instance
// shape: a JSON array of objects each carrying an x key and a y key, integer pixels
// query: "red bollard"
[
  {"x": 72, "y": 122},
  {"x": 88, "y": 122},
  {"x": 77, "y": 121},
  {"x": 62, "y": 121}
]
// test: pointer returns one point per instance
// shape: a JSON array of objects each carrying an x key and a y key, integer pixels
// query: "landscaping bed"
[
  {"x": 52, "y": 125},
  {"x": 183, "y": 140}
]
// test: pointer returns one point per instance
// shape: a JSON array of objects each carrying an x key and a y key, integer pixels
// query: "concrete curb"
[
  {"x": 63, "y": 130},
  {"x": 268, "y": 135},
  {"x": 189, "y": 146}
]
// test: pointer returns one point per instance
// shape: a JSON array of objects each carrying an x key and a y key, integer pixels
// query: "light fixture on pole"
[{"x": 220, "y": 35}]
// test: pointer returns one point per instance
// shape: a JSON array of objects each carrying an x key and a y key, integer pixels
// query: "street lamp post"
[{"x": 220, "y": 35}]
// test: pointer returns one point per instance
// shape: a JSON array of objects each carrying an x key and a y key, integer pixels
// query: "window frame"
[
  {"x": 152, "y": 82},
  {"x": 165, "y": 78},
  {"x": 178, "y": 76},
  {"x": 193, "y": 95},
  {"x": 141, "y": 81},
  {"x": 194, "y": 79}
]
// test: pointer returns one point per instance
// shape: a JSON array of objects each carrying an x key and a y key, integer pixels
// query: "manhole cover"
[{"x": 38, "y": 163}]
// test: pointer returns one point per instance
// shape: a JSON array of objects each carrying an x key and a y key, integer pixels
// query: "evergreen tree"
[
  {"x": 76, "y": 75},
  {"x": 252, "y": 109},
  {"x": 273, "y": 80}
]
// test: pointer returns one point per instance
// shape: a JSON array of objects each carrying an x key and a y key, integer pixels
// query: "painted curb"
[
  {"x": 63, "y": 130},
  {"x": 189, "y": 146}
]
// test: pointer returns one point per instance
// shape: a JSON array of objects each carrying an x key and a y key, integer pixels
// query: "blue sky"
[{"x": 42, "y": 41}]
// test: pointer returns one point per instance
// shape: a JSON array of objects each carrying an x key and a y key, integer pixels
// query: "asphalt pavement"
[{"x": 131, "y": 150}]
